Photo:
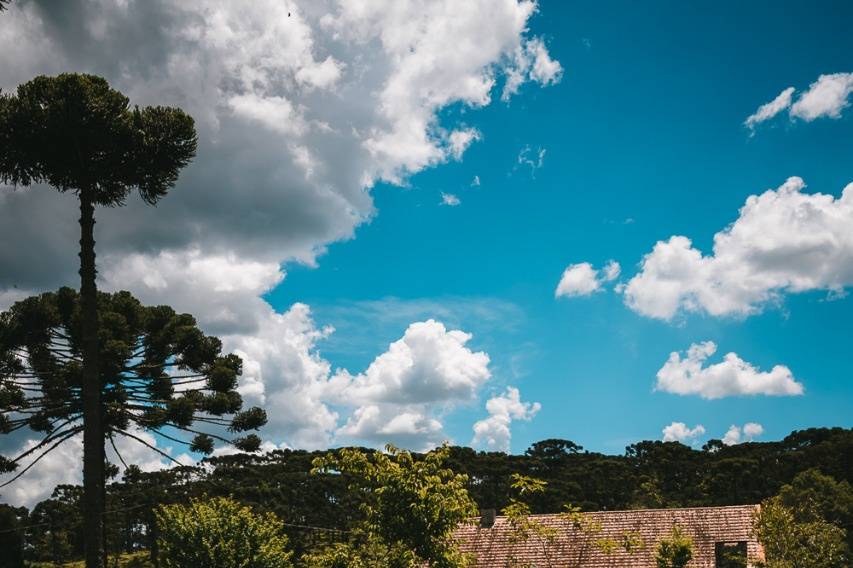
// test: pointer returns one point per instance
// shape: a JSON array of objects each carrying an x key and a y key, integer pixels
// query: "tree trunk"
[{"x": 93, "y": 427}]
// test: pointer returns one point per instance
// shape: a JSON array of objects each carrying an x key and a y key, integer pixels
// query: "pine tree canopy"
[
  {"x": 76, "y": 133},
  {"x": 158, "y": 373}
]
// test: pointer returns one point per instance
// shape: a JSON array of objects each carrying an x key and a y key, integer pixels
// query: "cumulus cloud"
[
  {"x": 680, "y": 432},
  {"x": 62, "y": 465},
  {"x": 407, "y": 426},
  {"x": 404, "y": 390},
  {"x": 783, "y": 241},
  {"x": 301, "y": 107},
  {"x": 826, "y": 97},
  {"x": 428, "y": 364},
  {"x": 733, "y": 376},
  {"x": 345, "y": 94},
  {"x": 450, "y": 200},
  {"x": 582, "y": 279},
  {"x": 493, "y": 433},
  {"x": 735, "y": 434}
]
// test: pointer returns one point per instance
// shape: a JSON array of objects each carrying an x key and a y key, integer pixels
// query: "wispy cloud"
[
  {"x": 530, "y": 158},
  {"x": 826, "y": 97}
]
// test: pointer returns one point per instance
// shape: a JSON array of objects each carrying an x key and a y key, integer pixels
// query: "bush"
[{"x": 220, "y": 533}]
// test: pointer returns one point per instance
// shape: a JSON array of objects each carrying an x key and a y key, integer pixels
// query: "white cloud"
[
  {"x": 475, "y": 182},
  {"x": 753, "y": 430},
  {"x": 680, "y": 432},
  {"x": 731, "y": 377},
  {"x": 275, "y": 113},
  {"x": 771, "y": 109},
  {"x": 450, "y": 200},
  {"x": 735, "y": 435},
  {"x": 611, "y": 271},
  {"x": 582, "y": 279},
  {"x": 783, "y": 241},
  {"x": 827, "y": 96},
  {"x": 347, "y": 93},
  {"x": 437, "y": 54},
  {"x": 428, "y": 364},
  {"x": 459, "y": 141},
  {"x": 398, "y": 398},
  {"x": 284, "y": 373},
  {"x": 401, "y": 395},
  {"x": 406, "y": 426},
  {"x": 493, "y": 433},
  {"x": 532, "y": 159},
  {"x": 321, "y": 75},
  {"x": 9, "y": 297},
  {"x": 578, "y": 280},
  {"x": 531, "y": 62},
  {"x": 301, "y": 108},
  {"x": 63, "y": 465}
]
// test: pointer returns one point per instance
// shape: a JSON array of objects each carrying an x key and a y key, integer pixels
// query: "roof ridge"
[{"x": 657, "y": 510}]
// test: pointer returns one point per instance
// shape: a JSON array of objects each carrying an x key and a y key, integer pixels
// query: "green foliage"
[
  {"x": 813, "y": 495},
  {"x": 804, "y": 525},
  {"x": 518, "y": 511},
  {"x": 281, "y": 482},
  {"x": 410, "y": 505},
  {"x": 158, "y": 372},
  {"x": 11, "y": 537},
  {"x": 674, "y": 551},
  {"x": 220, "y": 533},
  {"x": 76, "y": 133},
  {"x": 362, "y": 552}
]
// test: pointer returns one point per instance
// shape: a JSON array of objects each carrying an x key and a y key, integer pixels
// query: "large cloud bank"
[{"x": 301, "y": 108}]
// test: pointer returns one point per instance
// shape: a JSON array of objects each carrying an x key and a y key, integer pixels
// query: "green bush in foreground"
[{"x": 220, "y": 533}]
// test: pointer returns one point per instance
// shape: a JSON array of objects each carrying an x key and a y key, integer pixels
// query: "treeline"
[{"x": 318, "y": 508}]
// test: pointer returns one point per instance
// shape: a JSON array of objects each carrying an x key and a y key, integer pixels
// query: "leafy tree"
[
  {"x": 11, "y": 536},
  {"x": 220, "y": 533},
  {"x": 411, "y": 506},
  {"x": 363, "y": 551},
  {"x": 75, "y": 133},
  {"x": 55, "y": 527},
  {"x": 803, "y": 526},
  {"x": 793, "y": 543},
  {"x": 674, "y": 551},
  {"x": 812, "y": 494},
  {"x": 518, "y": 512},
  {"x": 157, "y": 371}
]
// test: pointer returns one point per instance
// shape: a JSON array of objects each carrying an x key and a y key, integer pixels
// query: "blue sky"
[
  {"x": 646, "y": 125},
  {"x": 331, "y": 233}
]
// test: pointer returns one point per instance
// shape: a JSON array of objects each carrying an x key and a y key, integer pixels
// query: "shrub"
[{"x": 220, "y": 533}]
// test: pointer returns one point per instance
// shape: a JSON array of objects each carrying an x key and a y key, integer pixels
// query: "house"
[{"x": 722, "y": 538}]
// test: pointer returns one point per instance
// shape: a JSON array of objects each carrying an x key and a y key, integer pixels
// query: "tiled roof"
[{"x": 500, "y": 546}]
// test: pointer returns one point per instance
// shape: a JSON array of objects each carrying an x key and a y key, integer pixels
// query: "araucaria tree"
[
  {"x": 76, "y": 134},
  {"x": 158, "y": 373}
]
